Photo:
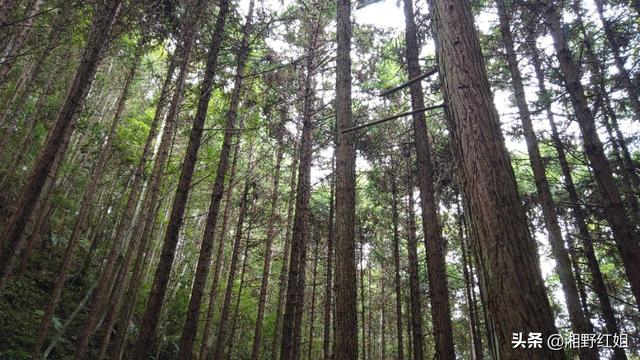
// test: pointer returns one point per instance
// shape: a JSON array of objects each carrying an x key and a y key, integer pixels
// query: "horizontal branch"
[
  {"x": 430, "y": 72},
  {"x": 393, "y": 117}
]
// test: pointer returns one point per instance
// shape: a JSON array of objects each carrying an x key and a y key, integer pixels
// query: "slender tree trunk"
[
  {"x": 266, "y": 267},
  {"x": 85, "y": 207},
  {"x": 346, "y": 347},
  {"x": 414, "y": 280},
  {"x": 10, "y": 55},
  {"x": 579, "y": 322},
  {"x": 207, "y": 340},
  {"x": 476, "y": 341},
  {"x": 301, "y": 220},
  {"x": 226, "y": 304},
  {"x": 612, "y": 40},
  {"x": 286, "y": 251},
  {"x": 328, "y": 295},
  {"x": 312, "y": 316},
  {"x": 58, "y": 139},
  {"x": 516, "y": 294},
  {"x": 236, "y": 313},
  {"x": 623, "y": 232},
  {"x": 363, "y": 327},
  {"x": 396, "y": 262},
  {"x": 202, "y": 270},
  {"x": 579, "y": 216}
]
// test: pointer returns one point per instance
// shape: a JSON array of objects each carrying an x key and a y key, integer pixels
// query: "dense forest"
[{"x": 320, "y": 179}]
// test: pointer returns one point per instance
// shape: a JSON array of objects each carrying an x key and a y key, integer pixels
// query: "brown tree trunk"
[
  {"x": 9, "y": 56},
  {"x": 579, "y": 322},
  {"x": 328, "y": 294},
  {"x": 414, "y": 280},
  {"x": 300, "y": 234},
  {"x": 58, "y": 139},
  {"x": 612, "y": 40},
  {"x": 434, "y": 242},
  {"x": 218, "y": 352},
  {"x": 579, "y": 216},
  {"x": 202, "y": 270},
  {"x": 85, "y": 207},
  {"x": 476, "y": 341},
  {"x": 286, "y": 251},
  {"x": 236, "y": 312},
  {"x": 623, "y": 232},
  {"x": 516, "y": 294},
  {"x": 346, "y": 347},
  {"x": 396, "y": 261},
  {"x": 266, "y": 266},
  {"x": 312, "y": 316},
  {"x": 207, "y": 340}
]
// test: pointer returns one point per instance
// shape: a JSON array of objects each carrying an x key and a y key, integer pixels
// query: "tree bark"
[
  {"x": 414, "y": 280},
  {"x": 516, "y": 294},
  {"x": 226, "y": 304},
  {"x": 346, "y": 347},
  {"x": 328, "y": 294},
  {"x": 396, "y": 261},
  {"x": 434, "y": 242}
]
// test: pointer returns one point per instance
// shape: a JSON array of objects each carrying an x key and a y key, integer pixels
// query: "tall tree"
[
  {"x": 579, "y": 322},
  {"x": 433, "y": 240},
  {"x": 516, "y": 295},
  {"x": 623, "y": 232},
  {"x": 346, "y": 346},
  {"x": 58, "y": 138}
]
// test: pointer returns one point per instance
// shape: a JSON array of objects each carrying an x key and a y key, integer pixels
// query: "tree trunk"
[
  {"x": 202, "y": 270},
  {"x": 301, "y": 220},
  {"x": 236, "y": 312},
  {"x": 85, "y": 208},
  {"x": 312, "y": 316},
  {"x": 328, "y": 294},
  {"x": 226, "y": 304},
  {"x": 285, "y": 254},
  {"x": 516, "y": 294},
  {"x": 266, "y": 267},
  {"x": 346, "y": 347},
  {"x": 579, "y": 322},
  {"x": 58, "y": 139},
  {"x": 434, "y": 242},
  {"x": 578, "y": 213},
  {"x": 414, "y": 280},
  {"x": 396, "y": 261},
  {"x": 14, "y": 46},
  {"x": 207, "y": 340},
  {"x": 623, "y": 232}
]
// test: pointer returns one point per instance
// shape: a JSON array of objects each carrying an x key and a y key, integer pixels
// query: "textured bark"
[
  {"x": 363, "y": 327},
  {"x": 396, "y": 262},
  {"x": 266, "y": 266},
  {"x": 223, "y": 327},
  {"x": 578, "y": 213},
  {"x": 622, "y": 229},
  {"x": 516, "y": 295},
  {"x": 434, "y": 242},
  {"x": 58, "y": 138},
  {"x": 346, "y": 347},
  {"x": 286, "y": 251},
  {"x": 85, "y": 207},
  {"x": 328, "y": 294},
  {"x": 236, "y": 312},
  {"x": 6, "y": 8},
  {"x": 202, "y": 270},
  {"x": 414, "y": 279},
  {"x": 579, "y": 322}
]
